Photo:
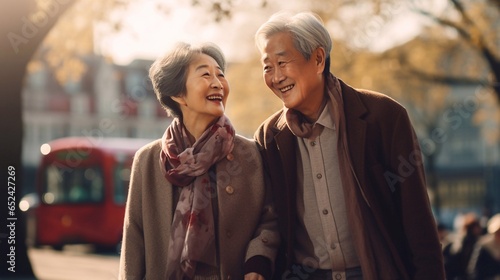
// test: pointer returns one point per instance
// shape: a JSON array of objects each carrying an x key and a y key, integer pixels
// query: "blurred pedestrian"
[
  {"x": 345, "y": 166},
  {"x": 443, "y": 235},
  {"x": 197, "y": 206},
  {"x": 458, "y": 252},
  {"x": 485, "y": 261}
]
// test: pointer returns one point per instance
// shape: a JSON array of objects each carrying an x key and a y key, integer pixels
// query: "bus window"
[
  {"x": 75, "y": 185},
  {"x": 82, "y": 185},
  {"x": 122, "y": 178}
]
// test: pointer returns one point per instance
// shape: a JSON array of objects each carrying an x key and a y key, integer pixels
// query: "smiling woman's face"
[{"x": 206, "y": 91}]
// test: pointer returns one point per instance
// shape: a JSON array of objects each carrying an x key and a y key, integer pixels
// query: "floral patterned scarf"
[{"x": 192, "y": 237}]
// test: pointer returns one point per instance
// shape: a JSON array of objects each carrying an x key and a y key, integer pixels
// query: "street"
[{"x": 73, "y": 263}]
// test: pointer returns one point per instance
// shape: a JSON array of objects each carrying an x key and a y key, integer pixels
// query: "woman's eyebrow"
[{"x": 201, "y": 66}]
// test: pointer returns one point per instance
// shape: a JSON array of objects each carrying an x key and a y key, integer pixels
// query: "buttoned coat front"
[
  {"x": 388, "y": 167},
  {"x": 246, "y": 220}
]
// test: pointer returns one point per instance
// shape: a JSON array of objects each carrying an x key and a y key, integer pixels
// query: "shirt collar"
[{"x": 326, "y": 117}]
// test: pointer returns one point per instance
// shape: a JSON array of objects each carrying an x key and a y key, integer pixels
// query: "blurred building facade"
[
  {"x": 466, "y": 166},
  {"x": 456, "y": 121},
  {"x": 108, "y": 100}
]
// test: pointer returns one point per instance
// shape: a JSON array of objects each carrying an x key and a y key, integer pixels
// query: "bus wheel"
[
  {"x": 58, "y": 247},
  {"x": 119, "y": 248},
  {"x": 105, "y": 249}
]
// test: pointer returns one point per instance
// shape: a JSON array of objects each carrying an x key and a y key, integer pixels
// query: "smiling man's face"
[{"x": 295, "y": 80}]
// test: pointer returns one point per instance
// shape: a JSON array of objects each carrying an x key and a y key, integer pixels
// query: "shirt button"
[
  {"x": 338, "y": 276},
  {"x": 313, "y": 143},
  {"x": 333, "y": 246},
  {"x": 264, "y": 240},
  {"x": 319, "y": 176},
  {"x": 325, "y": 211},
  {"x": 229, "y": 190},
  {"x": 230, "y": 157}
]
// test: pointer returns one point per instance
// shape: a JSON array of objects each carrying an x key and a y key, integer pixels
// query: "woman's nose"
[{"x": 216, "y": 83}]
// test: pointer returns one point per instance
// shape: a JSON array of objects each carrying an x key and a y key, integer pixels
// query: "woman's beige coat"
[{"x": 247, "y": 225}]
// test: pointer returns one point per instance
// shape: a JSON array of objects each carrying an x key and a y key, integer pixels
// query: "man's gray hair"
[{"x": 307, "y": 29}]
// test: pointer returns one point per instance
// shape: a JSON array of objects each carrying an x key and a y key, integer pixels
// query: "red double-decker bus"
[{"x": 82, "y": 186}]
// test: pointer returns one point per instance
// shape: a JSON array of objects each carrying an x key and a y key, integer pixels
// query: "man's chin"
[{"x": 288, "y": 105}]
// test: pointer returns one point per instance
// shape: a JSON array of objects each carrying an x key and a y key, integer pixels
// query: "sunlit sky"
[{"x": 148, "y": 33}]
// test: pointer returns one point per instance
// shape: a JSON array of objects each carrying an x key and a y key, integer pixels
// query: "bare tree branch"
[
  {"x": 473, "y": 35},
  {"x": 444, "y": 79},
  {"x": 495, "y": 3},
  {"x": 445, "y": 22}
]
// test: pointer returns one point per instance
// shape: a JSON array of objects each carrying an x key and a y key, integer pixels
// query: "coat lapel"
[
  {"x": 286, "y": 145},
  {"x": 356, "y": 128}
]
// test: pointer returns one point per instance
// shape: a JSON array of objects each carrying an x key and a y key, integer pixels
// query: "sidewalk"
[{"x": 74, "y": 263}]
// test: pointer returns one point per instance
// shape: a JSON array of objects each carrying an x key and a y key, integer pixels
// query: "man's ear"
[
  {"x": 319, "y": 57},
  {"x": 179, "y": 99}
]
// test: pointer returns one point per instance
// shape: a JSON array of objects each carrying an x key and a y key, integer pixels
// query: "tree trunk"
[{"x": 20, "y": 38}]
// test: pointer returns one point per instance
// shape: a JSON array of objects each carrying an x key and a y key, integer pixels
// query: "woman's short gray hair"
[
  {"x": 307, "y": 29},
  {"x": 168, "y": 73}
]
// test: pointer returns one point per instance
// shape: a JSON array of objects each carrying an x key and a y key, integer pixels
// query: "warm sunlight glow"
[
  {"x": 24, "y": 205},
  {"x": 45, "y": 149}
]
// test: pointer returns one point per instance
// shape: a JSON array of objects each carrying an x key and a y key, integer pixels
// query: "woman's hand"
[{"x": 253, "y": 276}]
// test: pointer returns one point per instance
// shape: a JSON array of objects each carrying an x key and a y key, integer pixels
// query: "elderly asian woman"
[{"x": 197, "y": 206}]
